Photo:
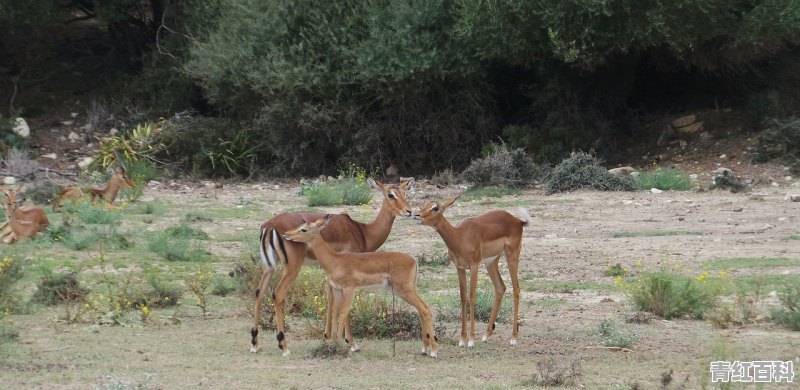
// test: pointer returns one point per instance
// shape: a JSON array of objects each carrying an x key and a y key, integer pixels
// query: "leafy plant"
[
  {"x": 669, "y": 294},
  {"x": 612, "y": 333},
  {"x": 615, "y": 270},
  {"x": 664, "y": 179},
  {"x": 789, "y": 314},
  {"x": 372, "y": 316},
  {"x": 233, "y": 154},
  {"x": 11, "y": 272},
  {"x": 142, "y": 142},
  {"x": 503, "y": 167},
  {"x": 177, "y": 248},
  {"x": 582, "y": 170},
  {"x": 448, "y": 307},
  {"x": 781, "y": 141},
  {"x": 350, "y": 188},
  {"x": 57, "y": 288}
]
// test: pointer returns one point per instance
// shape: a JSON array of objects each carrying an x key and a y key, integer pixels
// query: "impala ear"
[
  {"x": 321, "y": 223},
  {"x": 449, "y": 203},
  {"x": 375, "y": 184},
  {"x": 406, "y": 185}
]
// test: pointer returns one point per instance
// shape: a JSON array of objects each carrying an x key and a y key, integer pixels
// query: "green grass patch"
[
  {"x": 655, "y": 233},
  {"x": 186, "y": 231},
  {"x": 612, "y": 333},
  {"x": 766, "y": 282},
  {"x": 448, "y": 307},
  {"x": 568, "y": 287},
  {"x": 344, "y": 191},
  {"x": 789, "y": 312},
  {"x": 615, "y": 270},
  {"x": 476, "y": 192},
  {"x": 92, "y": 214},
  {"x": 748, "y": 262},
  {"x": 664, "y": 179},
  {"x": 178, "y": 248},
  {"x": 794, "y": 237},
  {"x": 670, "y": 295}
]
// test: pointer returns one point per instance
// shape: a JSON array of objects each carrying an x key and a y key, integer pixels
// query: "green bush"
[
  {"x": 11, "y": 272},
  {"x": 161, "y": 294},
  {"x": 789, "y": 314},
  {"x": 615, "y": 270},
  {"x": 58, "y": 288},
  {"x": 186, "y": 231},
  {"x": 780, "y": 141},
  {"x": 612, "y": 333},
  {"x": 503, "y": 167},
  {"x": 371, "y": 316},
  {"x": 222, "y": 285},
  {"x": 669, "y": 294},
  {"x": 725, "y": 179},
  {"x": 582, "y": 170},
  {"x": 178, "y": 248},
  {"x": 347, "y": 191},
  {"x": 92, "y": 214},
  {"x": 43, "y": 193},
  {"x": 448, "y": 307},
  {"x": 664, "y": 179}
]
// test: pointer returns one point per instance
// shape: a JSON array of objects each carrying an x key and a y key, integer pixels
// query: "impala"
[
  {"x": 109, "y": 193},
  {"x": 22, "y": 221},
  {"x": 480, "y": 240},
  {"x": 347, "y": 272},
  {"x": 342, "y": 234}
]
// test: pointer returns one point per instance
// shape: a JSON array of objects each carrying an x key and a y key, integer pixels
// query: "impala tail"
[
  {"x": 523, "y": 216},
  {"x": 270, "y": 241}
]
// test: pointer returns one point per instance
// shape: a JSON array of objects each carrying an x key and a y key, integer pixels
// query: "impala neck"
[
  {"x": 449, "y": 234},
  {"x": 376, "y": 233},
  {"x": 322, "y": 252},
  {"x": 110, "y": 192}
]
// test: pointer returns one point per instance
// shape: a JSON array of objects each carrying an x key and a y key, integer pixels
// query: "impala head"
[
  {"x": 394, "y": 196},
  {"x": 307, "y": 231},
  {"x": 9, "y": 203},
  {"x": 121, "y": 178},
  {"x": 432, "y": 212}
]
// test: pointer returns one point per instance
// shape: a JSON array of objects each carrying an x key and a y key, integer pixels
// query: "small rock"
[
  {"x": 73, "y": 114},
  {"x": 683, "y": 144},
  {"x": 51, "y": 156},
  {"x": 723, "y": 156},
  {"x": 787, "y": 178},
  {"x": 621, "y": 171},
  {"x": 9, "y": 180},
  {"x": 684, "y": 121},
  {"x": 113, "y": 131},
  {"x": 693, "y": 176},
  {"x": 793, "y": 197},
  {"x": 67, "y": 123},
  {"x": 73, "y": 136},
  {"x": 21, "y": 128},
  {"x": 84, "y": 163},
  {"x": 737, "y": 210},
  {"x": 705, "y": 135},
  {"x": 656, "y": 191},
  {"x": 153, "y": 184},
  {"x": 776, "y": 184}
]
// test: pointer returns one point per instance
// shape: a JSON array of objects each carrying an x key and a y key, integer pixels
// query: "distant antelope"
[
  {"x": 118, "y": 181},
  {"x": 22, "y": 221}
]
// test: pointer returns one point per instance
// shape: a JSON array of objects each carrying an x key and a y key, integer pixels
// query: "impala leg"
[
  {"x": 289, "y": 275},
  {"x": 429, "y": 342},
  {"x": 499, "y": 290},
  {"x": 473, "y": 287},
  {"x": 348, "y": 294},
  {"x": 513, "y": 268},
  {"x": 462, "y": 289},
  {"x": 260, "y": 293},
  {"x": 329, "y": 314}
]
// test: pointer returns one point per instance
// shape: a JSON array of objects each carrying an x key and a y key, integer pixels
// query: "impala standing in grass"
[
  {"x": 480, "y": 240},
  {"x": 342, "y": 234},
  {"x": 347, "y": 272}
]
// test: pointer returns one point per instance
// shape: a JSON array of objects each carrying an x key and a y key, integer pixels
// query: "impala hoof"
[
  {"x": 253, "y": 349},
  {"x": 484, "y": 338},
  {"x": 433, "y": 355},
  {"x": 470, "y": 343},
  {"x": 513, "y": 342},
  {"x": 354, "y": 348},
  {"x": 460, "y": 343},
  {"x": 286, "y": 353}
]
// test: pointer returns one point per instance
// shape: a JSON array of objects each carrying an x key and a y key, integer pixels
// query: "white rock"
[
  {"x": 73, "y": 114},
  {"x": 113, "y": 131},
  {"x": 51, "y": 156},
  {"x": 21, "y": 128},
  {"x": 693, "y": 176},
  {"x": 84, "y": 163},
  {"x": 67, "y": 123},
  {"x": 792, "y": 197},
  {"x": 656, "y": 191},
  {"x": 723, "y": 156},
  {"x": 9, "y": 180},
  {"x": 775, "y": 184},
  {"x": 787, "y": 178},
  {"x": 73, "y": 136}
]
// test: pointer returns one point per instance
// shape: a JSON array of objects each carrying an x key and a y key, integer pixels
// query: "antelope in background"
[
  {"x": 480, "y": 240},
  {"x": 348, "y": 271},
  {"x": 22, "y": 222},
  {"x": 342, "y": 234},
  {"x": 108, "y": 194}
]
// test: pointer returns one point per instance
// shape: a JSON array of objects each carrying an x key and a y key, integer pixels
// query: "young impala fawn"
[
  {"x": 342, "y": 234},
  {"x": 23, "y": 222},
  {"x": 480, "y": 240},
  {"x": 108, "y": 194},
  {"x": 347, "y": 272}
]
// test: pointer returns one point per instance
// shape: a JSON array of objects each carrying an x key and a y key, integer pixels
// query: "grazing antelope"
[
  {"x": 347, "y": 272},
  {"x": 480, "y": 240},
  {"x": 343, "y": 234},
  {"x": 118, "y": 181},
  {"x": 22, "y": 221}
]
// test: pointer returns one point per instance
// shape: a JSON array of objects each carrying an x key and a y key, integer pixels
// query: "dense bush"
[
  {"x": 664, "y": 179},
  {"x": 57, "y": 288},
  {"x": 670, "y": 294},
  {"x": 504, "y": 167},
  {"x": 789, "y": 313},
  {"x": 582, "y": 170},
  {"x": 780, "y": 141}
]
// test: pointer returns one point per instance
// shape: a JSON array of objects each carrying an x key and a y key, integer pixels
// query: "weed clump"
[
  {"x": 449, "y": 307},
  {"x": 789, "y": 314},
  {"x": 669, "y": 294},
  {"x": 371, "y": 316},
  {"x": 553, "y": 374},
  {"x": 614, "y": 334},
  {"x": 615, "y": 270},
  {"x": 665, "y": 180},
  {"x": 350, "y": 188},
  {"x": 59, "y": 288},
  {"x": 781, "y": 141},
  {"x": 10, "y": 272},
  {"x": 582, "y": 170},
  {"x": 326, "y": 350},
  {"x": 725, "y": 179},
  {"x": 504, "y": 167}
]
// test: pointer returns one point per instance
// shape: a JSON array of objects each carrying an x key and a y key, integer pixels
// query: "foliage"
[
  {"x": 669, "y": 294},
  {"x": 612, "y": 333},
  {"x": 198, "y": 284},
  {"x": 43, "y": 193},
  {"x": 350, "y": 188},
  {"x": 780, "y": 141},
  {"x": 232, "y": 154},
  {"x": 504, "y": 167},
  {"x": 582, "y": 170},
  {"x": 789, "y": 314},
  {"x": 89, "y": 213},
  {"x": 725, "y": 179},
  {"x": 57, "y": 288},
  {"x": 187, "y": 232},
  {"x": 372, "y": 316},
  {"x": 478, "y": 193},
  {"x": 441, "y": 259},
  {"x": 615, "y": 270},
  {"x": 222, "y": 285},
  {"x": 177, "y": 248},
  {"x": 161, "y": 294},
  {"x": 444, "y": 178},
  {"x": 144, "y": 141},
  {"x": 11, "y": 272},
  {"x": 743, "y": 309},
  {"x": 448, "y": 307},
  {"x": 326, "y": 350},
  {"x": 553, "y": 374},
  {"x": 664, "y": 179},
  {"x": 18, "y": 162}
]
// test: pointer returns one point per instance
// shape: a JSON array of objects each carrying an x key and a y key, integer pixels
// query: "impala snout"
[{"x": 407, "y": 213}]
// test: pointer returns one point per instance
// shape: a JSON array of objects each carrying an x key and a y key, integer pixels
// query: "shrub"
[
  {"x": 222, "y": 285},
  {"x": 781, "y": 141},
  {"x": 582, "y": 170},
  {"x": 441, "y": 259},
  {"x": 346, "y": 190},
  {"x": 669, "y": 294},
  {"x": 664, "y": 179},
  {"x": 10, "y": 273},
  {"x": 326, "y": 350},
  {"x": 177, "y": 248},
  {"x": 725, "y": 179},
  {"x": 553, "y": 374},
  {"x": 448, "y": 308},
  {"x": 92, "y": 214},
  {"x": 444, "y": 178},
  {"x": 789, "y": 314},
  {"x": 371, "y": 316},
  {"x": 43, "y": 193},
  {"x": 504, "y": 167},
  {"x": 477, "y": 192},
  {"x": 185, "y": 231},
  {"x": 161, "y": 294},
  {"x": 615, "y": 270},
  {"x": 59, "y": 288},
  {"x": 612, "y": 333}
]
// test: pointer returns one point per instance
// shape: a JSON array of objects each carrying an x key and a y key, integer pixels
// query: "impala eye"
[
  {"x": 435, "y": 208},
  {"x": 391, "y": 196},
  {"x": 303, "y": 230}
]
